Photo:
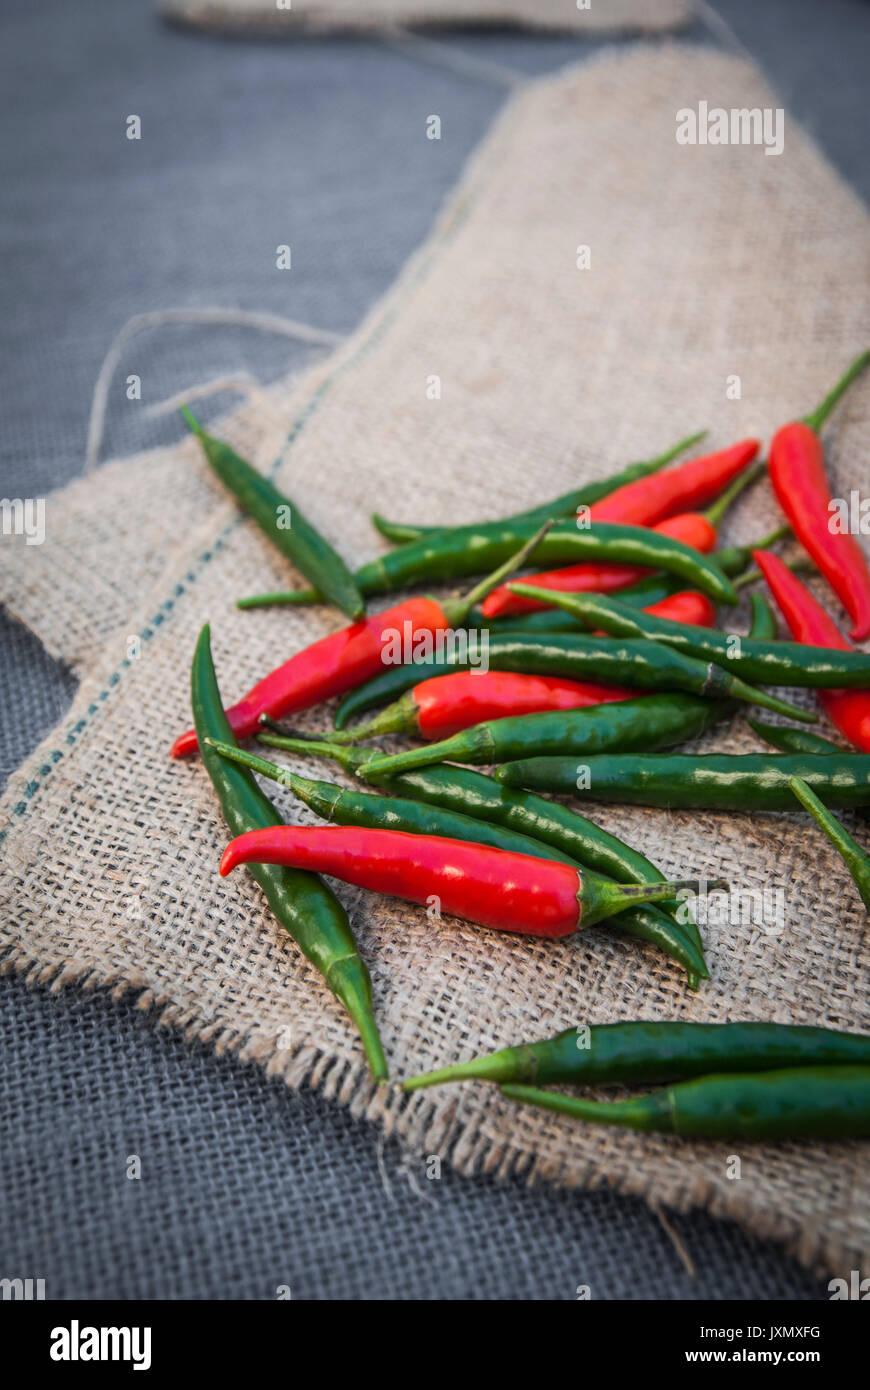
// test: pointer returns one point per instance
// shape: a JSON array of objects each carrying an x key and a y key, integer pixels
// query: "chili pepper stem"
[
  {"x": 276, "y": 600},
  {"x": 767, "y": 541},
  {"x": 347, "y": 757},
  {"x": 717, "y": 510},
  {"x": 643, "y": 1112},
  {"x": 457, "y": 610},
  {"x": 750, "y": 576},
  {"x": 739, "y": 690},
  {"x": 497, "y": 1066},
  {"x": 400, "y": 717},
  {"x": 821, "y": 413},
  {"x": 240, "y": 755},
  {"x": 599, "y": 898},
  {"x": 856, "y": 859},
  {"x": 653, "y": 465}
]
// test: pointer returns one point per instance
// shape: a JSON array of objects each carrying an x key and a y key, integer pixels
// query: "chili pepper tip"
[
  {"x": 184, "y": 744},
  {"x": 229, "y": 861},
  {"x": 188, "y": 415}
]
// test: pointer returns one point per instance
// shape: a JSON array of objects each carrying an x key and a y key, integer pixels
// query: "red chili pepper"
[
  {"x": 682, "y": 489},
  {"x": 329, "y": 667},
  {"x": 493, "y": 887},
  {"x": 808, "y": 622},
  {"x": 345, "y": 659},
  {"x": 444, "y": 705},
  {"x": 797, "y": 472},
  {"x": 692, "y": 528},
  {"x": 688, "y": 606}
]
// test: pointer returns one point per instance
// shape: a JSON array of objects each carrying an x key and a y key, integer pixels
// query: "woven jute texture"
[
  {"x": 706, "y": 263},
  {"x": 267, "y": 15}
]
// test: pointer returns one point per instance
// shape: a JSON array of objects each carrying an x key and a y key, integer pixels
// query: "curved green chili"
[
  {"x": 764, "y": 663},
  {"x": 803, "y": 1103},
  {"x": 653, "y": 721},
  {"x": 478, "y": 797},
  {"x": 732, "y": 561},
  {"x": 712, "y": 781},
  {"x": 789, "y": 740},
  {"x": 762, "y": 626},
  {"x": 302, "y": 904},
  {"x": 696, "y": 677},
  {"x": 856, "y": 859},
  {"x": 641, "y": 664},
  {"x": 308, "y": 550},
  {"x": 350, "y": 807},
  {"x": 639, "y": 1052},
  {"x": 343, "y": 807},
  {"x": 565, "y": 504},
  {"x": 648, "y": 591},
  {"x": 450, "y": 555}
]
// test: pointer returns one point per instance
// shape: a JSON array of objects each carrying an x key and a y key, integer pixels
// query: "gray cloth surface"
[{"x": 245, "y": 1185}]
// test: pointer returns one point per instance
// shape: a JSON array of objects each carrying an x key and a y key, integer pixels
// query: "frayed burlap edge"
[{"x": 346, "y": 1081}]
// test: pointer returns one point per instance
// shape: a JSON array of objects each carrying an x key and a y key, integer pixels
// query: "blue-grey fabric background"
[{"x": 246, "y": 1186}]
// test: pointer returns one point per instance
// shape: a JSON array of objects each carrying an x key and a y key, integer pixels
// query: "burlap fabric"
[
  {"x": 266, "y": 16},
  {"x": 705, "y": 263}
]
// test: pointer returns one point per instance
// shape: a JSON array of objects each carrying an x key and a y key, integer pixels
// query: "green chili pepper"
[
  {"x": 732, "y": 562},
  {"x": 636, "y": 1053},
  {"x": 565, "y": 504},
  {"x": 648, "y": 591},
  {"x": 765, "y": 663},
  {"x": 302, "y": 904},
  {"x": 711, "y": 781},
  {"x": 450, "y": 555},
  {"x": 653, "y": 721},
  {"x": 763, "y": 625},
  {"x": 478, "y": 797},
  {"x": 640, "y": 664},
  {"x": 690, "y": 676},
  {"x": 856, "y": 859},
  {"x": 790, "y": 740},
  {"x": 345, "y": 807},
  {"x": 299, "y": 540},
  {"x": 803, "y": 1103}
]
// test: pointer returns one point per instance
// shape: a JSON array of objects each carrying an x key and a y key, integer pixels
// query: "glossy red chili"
[
  {"x": 797, "y": 472},
  {"x": 808, "y": 622},
  {"x": 692, "y": 528},
  {"x": 697, "y": 529},
  {"x": 347, "y": 658},
  {"x": 688, "y": 606},
  {"x": 329, "y": 667},
  {"x": 681, "y": 489},
  {"x": 446, "y": 704},
  {"x": 492, "y": 887}
]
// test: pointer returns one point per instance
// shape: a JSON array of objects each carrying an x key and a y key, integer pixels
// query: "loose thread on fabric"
[{"x": 140, "y": 323}]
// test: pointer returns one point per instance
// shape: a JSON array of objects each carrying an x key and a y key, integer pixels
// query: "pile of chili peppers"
[{"x": 598, "y": 666}]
